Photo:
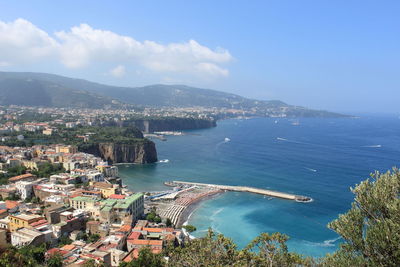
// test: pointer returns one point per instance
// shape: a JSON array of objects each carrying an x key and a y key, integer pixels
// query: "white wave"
[
  {"x": 325, "y": 243},
  {"x": 217, "y": 212},
  {"x": 164, "y": 161},
  {"x": 312, "y": 170},
  {"x": 373, "y": 146}
]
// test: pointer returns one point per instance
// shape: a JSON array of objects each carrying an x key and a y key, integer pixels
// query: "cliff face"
[{"x": 143, "y": 152}]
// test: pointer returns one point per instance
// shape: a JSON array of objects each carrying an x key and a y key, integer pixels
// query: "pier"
[{"x": 248, "y": 189}]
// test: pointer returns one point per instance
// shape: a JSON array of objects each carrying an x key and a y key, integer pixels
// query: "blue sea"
[{"x": 320, "y": 158}]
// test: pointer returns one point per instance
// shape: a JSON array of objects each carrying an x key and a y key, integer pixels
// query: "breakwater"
[{"x": 248, "y": 189}]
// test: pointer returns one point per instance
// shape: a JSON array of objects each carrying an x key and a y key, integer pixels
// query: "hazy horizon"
[{"x": 336, "y": 56}]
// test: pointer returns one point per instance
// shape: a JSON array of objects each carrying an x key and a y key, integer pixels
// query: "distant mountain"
[
  {"x": 59, "y": 91},
  {"x": 29, "y": 91}
]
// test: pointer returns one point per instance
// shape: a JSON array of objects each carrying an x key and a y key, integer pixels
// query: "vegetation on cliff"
[{"x": 121, "y": 144}]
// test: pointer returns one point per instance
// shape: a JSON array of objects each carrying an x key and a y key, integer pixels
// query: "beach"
[{"x": 178, "y": 204}]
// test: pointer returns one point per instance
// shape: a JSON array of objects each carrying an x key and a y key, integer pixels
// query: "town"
[{"x": 78, "y": 207}]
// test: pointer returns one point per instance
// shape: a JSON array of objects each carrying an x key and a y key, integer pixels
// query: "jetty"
[{"x": 248, "y": 189}]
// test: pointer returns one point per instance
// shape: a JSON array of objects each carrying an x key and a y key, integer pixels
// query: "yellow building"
[
  {"x": 22, "y": 221},
  {"x": 66, "y": 149},
  {"x": 106, "y": 189}
]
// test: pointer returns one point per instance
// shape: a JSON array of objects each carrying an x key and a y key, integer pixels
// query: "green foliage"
[
  {"x": 371, "y": 228},
  {"x": 47, "y": 169},
  {"x": 92, "y": 263},
  {"x": 218, "y": 250},
  {"x": 13, "y": 197},
  {"x": 25, "y": 256},
  {"x": 190, "y": 228},
  {"x": 93, "y": 238},
  {"x": 55, "y": 260},
  {"x": 64, "y": 240},
  {"x": 168, "y": 222},
  {"x": 146, "y": 259},
  {"x": 153, "y": 217},
  {"x": 82, "y": 236},
  {"x": 10, "y": 172}
]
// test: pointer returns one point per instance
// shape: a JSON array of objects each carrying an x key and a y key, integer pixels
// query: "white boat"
[{"x": 227, "y": 139}]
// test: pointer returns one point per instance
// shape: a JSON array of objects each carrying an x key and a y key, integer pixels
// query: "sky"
[{"x": 341, "y": 55}]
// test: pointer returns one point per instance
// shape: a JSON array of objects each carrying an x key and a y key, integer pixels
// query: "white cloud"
[
  {"x": 83, "y": 45},
  {"x": 118, "y": 71},
  {"x": 21, "y": 41}
]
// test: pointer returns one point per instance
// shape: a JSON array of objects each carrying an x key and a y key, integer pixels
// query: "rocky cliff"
[{"x": 141, "y": 152}]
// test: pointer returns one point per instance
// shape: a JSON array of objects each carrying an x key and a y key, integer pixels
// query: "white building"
[
  {"x": 25, "y": 189},
  {"x": 95, "y": 176},
  {"x": 24, "y": 237}
]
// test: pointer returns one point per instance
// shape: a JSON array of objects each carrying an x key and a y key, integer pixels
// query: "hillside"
[
  {"x": 37, "y": 92},
  {"x": 59, "y": 91}
]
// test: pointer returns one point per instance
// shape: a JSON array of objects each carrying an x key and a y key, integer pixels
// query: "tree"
[
  {"x": 271, "y": 250},
  {"x": 82, "y": 236},
  {"x": 190, "y": 228},
  {"x": 168, "y": 222},
  {"x": 210, "y": 250},
  {"x": 55, "y": 260},
  {"x": 157, "y": 219},
  {"x": 145, "y": 259},
  {"x": 371, "y": 228},
  {"x": 64, "y": 240},
  {"x": 93, "y": 238},
  {"x": 92, "y": 263}
]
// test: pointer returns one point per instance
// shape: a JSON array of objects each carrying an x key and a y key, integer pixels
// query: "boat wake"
[
  {"x": 373, "y": 146},
  {"x": 325, "y": 243},
  {"x": 217, "y": 212},
  {"x": 281, "y": 139},
  {"x": 164, "y": 161},
  {"x": 311, "y": 170}
]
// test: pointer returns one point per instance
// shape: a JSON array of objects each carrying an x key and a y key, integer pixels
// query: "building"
[
  {"x": 3, "y": 238},
  {"x": 24, "y": 237},
  {"x": 66, "y": 149},
  {"x": 25, "y": 189},
  {"x": 107, "y": 170},
  {"x": 106, "y": 189},
  {"x": 88, "y": 204},
  {"x": 23, "y": 177},
  {"x": 22, "y": 221},
  {"x": 125, "y": 210}
]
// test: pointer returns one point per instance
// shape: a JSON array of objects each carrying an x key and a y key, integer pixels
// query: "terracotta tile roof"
[
  {"x": 68, "y": 247},
  {"x": 38, "y": 223},
  {"x": 56, "y": 251},
  {"x": 133, "y": 254},
  {"x": 125, "y": 228},
  {"x": 3, "y": 211},
  {"x": 134, "y": 235},
  {"x": 10, "y": 204},
  {"x": 158, "y": 230},
  {"x": 21, "y": 177},
  {"x": 141, "y": 242},
  {"x": 116, "y": 196}
]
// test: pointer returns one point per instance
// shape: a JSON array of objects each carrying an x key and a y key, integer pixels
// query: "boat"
[{"x": 227, "y": 139}]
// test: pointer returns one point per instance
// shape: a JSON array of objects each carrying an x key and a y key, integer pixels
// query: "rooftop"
[{"x": 84, "y": 199}]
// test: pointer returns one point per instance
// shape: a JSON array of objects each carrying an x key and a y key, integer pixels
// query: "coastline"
[{"x": 191, "y": 208}]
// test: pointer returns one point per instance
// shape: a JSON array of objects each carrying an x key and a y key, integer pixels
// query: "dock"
[{"x": 248, "y": 189}]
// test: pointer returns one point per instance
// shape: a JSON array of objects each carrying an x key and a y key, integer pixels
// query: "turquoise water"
[{"x": 320, "y": 158}]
